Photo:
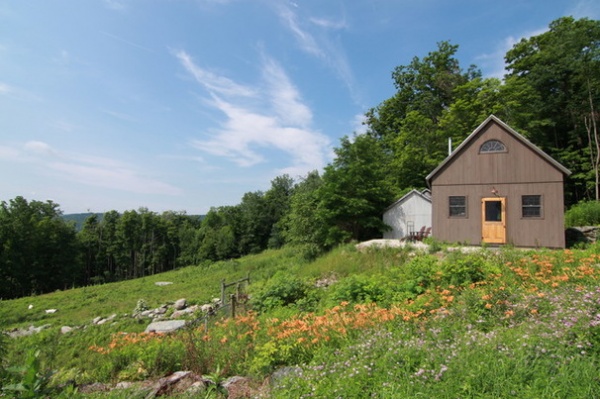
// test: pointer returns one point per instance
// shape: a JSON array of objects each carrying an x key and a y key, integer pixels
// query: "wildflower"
[
  {"x": 224, "y": 340},
  {"x": 533, "y": 311},
  {"x": 489, "y": 306}
]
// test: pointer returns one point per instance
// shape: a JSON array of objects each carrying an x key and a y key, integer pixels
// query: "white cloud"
[
  {"x": 359, "y": 123},
  {"x": 329, "y": 23},
  {"x": 90, "y": 170},
  {"x": 115, "y": 5},
  {"x": 305, "y": 39},
  {"x": 319, "y": 44},
  {"x": 494, "y": 62},
  {"x": 4, "y": 88},
  {"x": 275, "y": 120},
  {"x": 284, "y": 97},
  {"x": 9, "y": 154},
  {"x": 585, "y": 9},
  {"x": 212, "y": 82}
]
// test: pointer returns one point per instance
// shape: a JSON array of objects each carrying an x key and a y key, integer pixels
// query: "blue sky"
[{"x": 187, "y": 104}]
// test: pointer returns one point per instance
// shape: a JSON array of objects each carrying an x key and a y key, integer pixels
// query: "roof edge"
[{"x": 518, "y": 136}]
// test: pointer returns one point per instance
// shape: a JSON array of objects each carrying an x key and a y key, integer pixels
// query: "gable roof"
[
  {"x": 408, "y": 195},
  {"x": 519, "y": 137}
]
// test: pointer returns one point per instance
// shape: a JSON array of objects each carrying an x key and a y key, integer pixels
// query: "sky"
[{"x": 184, "y": 105}]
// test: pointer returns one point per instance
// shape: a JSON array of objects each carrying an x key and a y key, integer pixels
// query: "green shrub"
[
  {"x": 362, "y": 289},
  {"x": 283, "y": 289},
  {"x": 585, "y": 213}
]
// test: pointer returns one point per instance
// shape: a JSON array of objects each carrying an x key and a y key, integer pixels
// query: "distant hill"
[{"x": 79, "y": 218}]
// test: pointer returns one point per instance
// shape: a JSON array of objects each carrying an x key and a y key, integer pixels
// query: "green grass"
[{"x": 391, "y": 323}]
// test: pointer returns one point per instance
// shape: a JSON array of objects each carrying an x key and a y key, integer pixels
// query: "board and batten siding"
[{"x": 521, "y": 170}]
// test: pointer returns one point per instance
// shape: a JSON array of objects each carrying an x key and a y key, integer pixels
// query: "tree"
[
  {"x": 355, "y": 191},
  {"x": 562, "y": 65},
  {"x": 39, "y": 252}
]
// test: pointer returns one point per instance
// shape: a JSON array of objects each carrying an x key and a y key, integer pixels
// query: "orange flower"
[{"x": 489, "y": 306}]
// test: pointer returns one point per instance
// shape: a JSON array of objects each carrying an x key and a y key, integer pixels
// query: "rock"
[
  {"x": 180, "y": 381},
  {"x": 163, "y": 283},
  {"x": 240, "y": 387},
  {"x": 66, "y": 329},
  {"x": 180, "y": 304},
  {"x": 30, "y": 307},
  {"x": 124, "y": 385},
  {"x": 165, "y": 326},
  {"x": 95, "y": 320},
  {"x": 183, "y": 312},
  {"x": 50, "y": 311}
]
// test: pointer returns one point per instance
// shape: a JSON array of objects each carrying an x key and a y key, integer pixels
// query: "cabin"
[
  {"x": 408, "y": 215},
  {"x": 498, "y": 188}
]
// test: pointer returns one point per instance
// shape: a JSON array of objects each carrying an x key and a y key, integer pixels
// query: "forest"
[{"x": 550, "y": 94}]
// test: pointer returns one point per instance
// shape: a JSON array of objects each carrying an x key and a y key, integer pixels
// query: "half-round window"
[{"x": 492, "y": 146}]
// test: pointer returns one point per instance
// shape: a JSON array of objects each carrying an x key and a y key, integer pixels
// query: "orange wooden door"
[{"x": 493, "y": 217}]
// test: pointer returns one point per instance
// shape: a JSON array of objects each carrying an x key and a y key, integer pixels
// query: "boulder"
[
  {"x": 165, "y": 326},
  {"x": 180, "y": 304}
]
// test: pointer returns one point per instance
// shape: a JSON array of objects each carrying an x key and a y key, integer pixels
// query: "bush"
[
  {"x": 281, "y": 290},
  {"x": 362, "y": 289},
  {"x": 585, "y": 213}
]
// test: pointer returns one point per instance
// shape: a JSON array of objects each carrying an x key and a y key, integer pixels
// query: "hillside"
[{"x": 390, "y": 322}]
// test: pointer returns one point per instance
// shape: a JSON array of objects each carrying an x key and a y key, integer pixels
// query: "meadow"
[{"x": 379, "y": 323}]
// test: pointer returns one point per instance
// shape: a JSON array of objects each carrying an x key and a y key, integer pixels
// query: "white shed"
[{"x": 409, "y": 214}]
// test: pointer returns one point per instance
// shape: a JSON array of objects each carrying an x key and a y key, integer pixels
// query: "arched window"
[{"x": 492, "y": 146}]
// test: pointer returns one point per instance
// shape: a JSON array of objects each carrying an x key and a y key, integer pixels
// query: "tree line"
[{"x": 549, "y": 94}]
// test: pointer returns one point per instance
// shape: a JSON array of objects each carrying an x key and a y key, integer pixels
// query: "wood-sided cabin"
[
  {"x": 497, "y": 187},
  {"x": 408, "y": 215}
]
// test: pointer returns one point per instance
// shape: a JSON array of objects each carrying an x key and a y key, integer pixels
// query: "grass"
[{"x": 389, "y": 323}]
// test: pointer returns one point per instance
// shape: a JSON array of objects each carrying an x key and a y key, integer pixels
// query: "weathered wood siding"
[{"x": 518, "y": 171}]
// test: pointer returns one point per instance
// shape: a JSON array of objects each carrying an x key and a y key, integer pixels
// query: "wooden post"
[
  {"x": 233, "y": 303},
  {"x": 223, "y": 292}
]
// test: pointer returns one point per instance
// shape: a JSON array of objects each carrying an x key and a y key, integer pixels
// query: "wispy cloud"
[
  {"x": 306, "y": 40},
  {"x": 212, "y": 82},
  {"x": 276, "y": 119},
  {"x": 329, "y": 23},
  {"x": 115, "y": 5},
  {"x": 318, "y": 42},
  {"x": 585, "y": 9},
  {"x": 88, "y": 170}
]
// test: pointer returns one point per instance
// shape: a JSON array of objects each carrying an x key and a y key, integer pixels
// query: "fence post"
[
  {"x": 233, "y": 303},
  {"x": 222, "y": 292}
]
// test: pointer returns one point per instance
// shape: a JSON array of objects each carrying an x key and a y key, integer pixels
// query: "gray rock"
[
  {"x": 163, "y": 283},
  {"x": 180, "y": 304},
  {"x": 165, "y": 326},
  {"x": 66, "y": 329},
  {"x": 95, "y": 320}
]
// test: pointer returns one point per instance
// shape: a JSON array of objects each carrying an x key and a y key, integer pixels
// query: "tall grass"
[{"x": 388, "y": 323}]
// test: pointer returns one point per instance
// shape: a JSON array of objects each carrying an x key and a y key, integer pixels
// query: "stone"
[
  {"x": 66, "y": 329},
  {"x": 165, "y": 326},
  {"x": 180, "y": 304},
  {"x": 50, "y": 311},
  {"x": 163, "y": 283},
  {"x": 95, "y": 320}
]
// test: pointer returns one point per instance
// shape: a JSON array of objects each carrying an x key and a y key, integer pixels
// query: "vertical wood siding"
[{"x": 517, "y": 172}]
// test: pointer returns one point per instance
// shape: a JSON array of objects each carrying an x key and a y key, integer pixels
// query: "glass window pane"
[{"x": 493, "y": 211}]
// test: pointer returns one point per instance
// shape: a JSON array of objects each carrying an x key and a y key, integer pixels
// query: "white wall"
[{"x": 414, "y": 209}]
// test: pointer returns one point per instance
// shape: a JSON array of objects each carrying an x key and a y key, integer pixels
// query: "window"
[
  {"x": 492, "y": 146},
  {"x": 457, "y": 206},
  {"x": 531, "y": 206}
]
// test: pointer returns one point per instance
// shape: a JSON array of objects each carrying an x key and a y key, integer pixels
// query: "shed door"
[{"x": 493, "y": 216}]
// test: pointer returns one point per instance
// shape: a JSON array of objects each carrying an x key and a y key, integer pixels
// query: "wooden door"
[{"x": 493, "y": 218}]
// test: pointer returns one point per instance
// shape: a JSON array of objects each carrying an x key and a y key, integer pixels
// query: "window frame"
[
  {"x": 539, "y": 206},
  {"x": 451, "y": 207},
  {"x": 494, "y": 150}
]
